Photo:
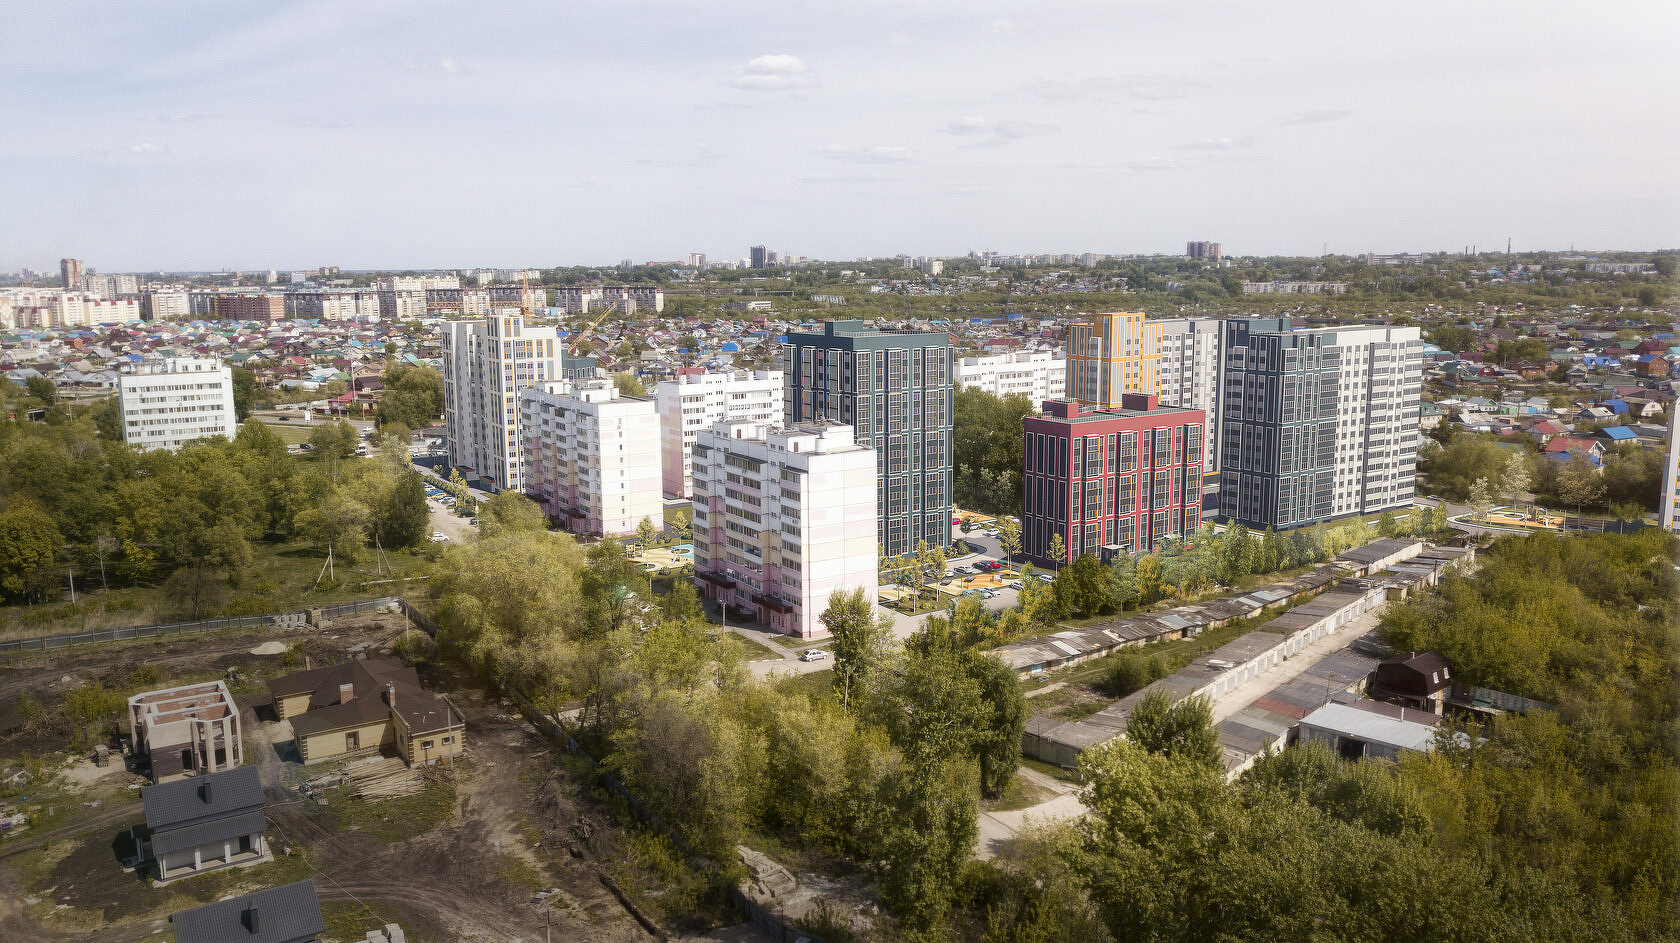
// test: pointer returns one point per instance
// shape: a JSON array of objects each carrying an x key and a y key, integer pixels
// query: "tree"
[
  {"x": 1009, "y": 537},
  {"x": 1481, "y": 499},
  {"x": 244, "y": 393},
  {"x": 42, "y": 389},
  {"x": 1002, "y": 723},
  {"x": 400, "y": 515},
  {"x": 683, "y": 524},
  {"x": 29, "y": 546},
  {"x": 1578, "y": 483},
  {"x": 629, "y": 385},
  {"x": 1387, "y": 525},
  {"x": 1057, "y": 550},
  {"x": 510, "y": 512},
  {"x": 861, "y": 642},
  {"x": 646, "y": 534},
  {"x": 1083, "y": 587},
  {"x": 412, "y": 397},
  {"x": 1183, "y": 730},
  {"x": 1515, "y": 478},
  {"x": 334, "y": 439},
  {"x": 460, "y": 492}
]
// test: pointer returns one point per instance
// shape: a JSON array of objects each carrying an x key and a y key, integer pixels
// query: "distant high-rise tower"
[
  {"x": 1203, "y": 250},
  {"x": 70, "y": 272},
  {"x": 894, "y": 389},
  {"x": 1113, "y": 354},
  {"x": 758, "y": 257}
]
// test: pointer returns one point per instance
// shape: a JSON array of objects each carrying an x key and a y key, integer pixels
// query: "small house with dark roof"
[
  {"x": 364, "y": 706},
  {"x": 1415, "y": 681},
  {"x": 290, "y": 913},
  {"x": 203, "y": 824}
]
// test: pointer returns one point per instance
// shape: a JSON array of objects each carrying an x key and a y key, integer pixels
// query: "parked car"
[
  {"x": 989, "y": 566},
  {"x": 812, "y": 654},
  {"x": 438, "y": 537},
  {"x": 1046, "y": 578}
]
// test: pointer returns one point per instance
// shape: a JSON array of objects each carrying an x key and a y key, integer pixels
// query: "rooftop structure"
[{"x": 186, "y": 730}]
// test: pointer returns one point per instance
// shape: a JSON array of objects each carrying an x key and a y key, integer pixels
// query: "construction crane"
[{"x": 572, "y": 347}]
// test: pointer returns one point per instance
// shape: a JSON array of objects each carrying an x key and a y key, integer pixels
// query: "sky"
[{"x": 219, "y": 134}]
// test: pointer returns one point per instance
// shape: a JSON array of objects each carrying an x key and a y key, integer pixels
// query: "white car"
[
  {"x": 438, "y": 537},
  {"x": 812, "y": 654}
]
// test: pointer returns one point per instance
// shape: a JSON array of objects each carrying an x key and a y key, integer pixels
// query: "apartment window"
[
  {"x": 1128, "y": 452},
  {"x": 1127, "y": 499},
  {"x": 425, "y": 744},
  {"x": 1160, "y": 491}
]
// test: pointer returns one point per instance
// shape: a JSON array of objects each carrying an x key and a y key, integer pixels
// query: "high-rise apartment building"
[
  {"x": 1112, "y": 354},
  {"x": 1203, "y": 250},
  {"x": 591, "y": 456},
  {"x": 1115, "y": 480},
  {"x": 1318, "y": 423},
  {"x": 57, "y": 308},
  {"x": 783, "y": 519},
  {"x": 486, "y": 365},
  {"x": 250, "y": 307},
  {"x": 1668, "y": 510},
  {"x": 165, "y": 306},
  {"x": 1189, "y": 373},
  {"x": 758, "y": 257},
  {"x": 1037, "y": 375},
  {"x": 460, "y": 302},
  {"x": 402, "y": 304},
  {"x": 168, "y": 403},
  {"x": 695, "y": 401},
  {"x": 70, "y": 274},
  {"x": 894, "y": 389}
]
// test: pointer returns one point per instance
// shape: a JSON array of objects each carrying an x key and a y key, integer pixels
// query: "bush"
[{"x": 1132, "y": 671}]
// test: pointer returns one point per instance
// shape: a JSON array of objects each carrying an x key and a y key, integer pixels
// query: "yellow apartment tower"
[{"x": 1113, "y": 354}]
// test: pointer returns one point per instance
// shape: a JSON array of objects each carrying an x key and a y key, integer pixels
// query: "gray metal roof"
[
  {"x": 202, "y": 798},
  {"x": 290, "y": 913},
  {"x": 1349, "y": 721},
  {"x": 208, "y": 833}
]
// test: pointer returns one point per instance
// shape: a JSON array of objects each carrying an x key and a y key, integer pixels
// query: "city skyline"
[{"x": 160, "y": 139}]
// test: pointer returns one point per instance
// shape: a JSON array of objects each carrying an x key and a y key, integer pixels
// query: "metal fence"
[{"x": 274, "y": 620}]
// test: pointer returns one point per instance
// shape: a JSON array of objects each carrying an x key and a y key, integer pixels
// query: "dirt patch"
[{"x": 467, "y": 870}]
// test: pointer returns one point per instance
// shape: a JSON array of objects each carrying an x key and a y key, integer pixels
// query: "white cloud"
[
  {"x": 773, "y": 73},
  {"x": 996, "y": 133},
  {"x": 450, "y": 66},
  {"x": 1001, "y": 27},
  {"x": 867, "y": 154},
  {"x": 898, "y": 39},
  {"x": 1316, "y": 116},
  {"x": 144, "y": 148}
]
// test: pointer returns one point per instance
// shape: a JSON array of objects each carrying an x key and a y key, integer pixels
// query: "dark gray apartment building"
[
  {"x": 1316, "y": 424},
  {"x": 894, "y": 389}
]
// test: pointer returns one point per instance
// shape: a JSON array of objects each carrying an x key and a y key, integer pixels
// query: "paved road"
[{"x": 997, "y": 828}]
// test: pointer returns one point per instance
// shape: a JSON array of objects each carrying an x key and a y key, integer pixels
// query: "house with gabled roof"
[
  {"x": 365, "y": 706},
  {"x": 290, "y": 913},
  {"x": 203, "y": 824}
]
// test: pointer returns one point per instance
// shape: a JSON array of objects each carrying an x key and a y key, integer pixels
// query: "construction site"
[{"x": 500, "y": 842}]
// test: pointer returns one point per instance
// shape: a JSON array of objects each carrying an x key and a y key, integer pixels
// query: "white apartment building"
[
  {"x": 486, "y": 365},
  {"x": 783, "y": 519},
  {"x": 696, "y": 401},
  {"x": 591, "y": 456},
  {"x": 417, "y": 282},
  {"x": 1189, "y": 373},
  {"x": 168, "y": 403},
  {"x": 54, "y": 308},
  {"x": 1668, "y": 516},
  {"x": 626, "y": 298},
  {"x": 166, "y": 306},
  {"x": 1039, "y": 375}
]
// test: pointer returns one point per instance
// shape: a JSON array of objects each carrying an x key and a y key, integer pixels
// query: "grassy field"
[{"x": 282, "y": 579}]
